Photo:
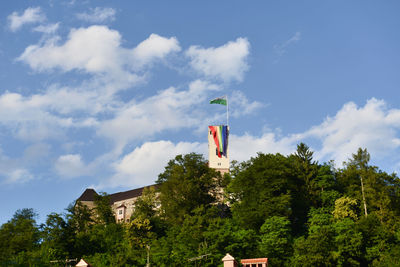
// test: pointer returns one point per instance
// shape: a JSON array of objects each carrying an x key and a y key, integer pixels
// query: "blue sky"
[{"x": 103, "y": 93}]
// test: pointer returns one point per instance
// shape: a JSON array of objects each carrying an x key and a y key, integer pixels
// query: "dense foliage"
[{"x": 291, "y": 209}]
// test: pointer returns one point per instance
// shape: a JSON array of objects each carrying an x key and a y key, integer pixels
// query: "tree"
[
  {"x": 348, "y": 243},
  {"x": 148, "y": 206},
  {"x": 186, "y": 183},
  {"x": 140, "y": 234},
  {"x": 262, "y": 188},
  {"x": 360, "y": 162},
  {"x": 328, "y": 190},
  {"x": 345, "y": 207},
  {"x": 56, "y": 238},
  {"x": 104, "y": 213},
  {"x": 276, "y": 240},
  {"x": 376, "y": 238},
  {"x": 317, "y": 249},
  {"x": 80, "y": 217},
  {"x": 19, "y": 239},
  {"x": 307, "y": 190},
  {"x": 224, "y": 235}
]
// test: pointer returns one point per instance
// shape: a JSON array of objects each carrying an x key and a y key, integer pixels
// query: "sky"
[{"x": 102, "y": 94}]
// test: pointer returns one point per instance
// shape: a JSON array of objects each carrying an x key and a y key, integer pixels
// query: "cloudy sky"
[{"x": 103, "y": 93}]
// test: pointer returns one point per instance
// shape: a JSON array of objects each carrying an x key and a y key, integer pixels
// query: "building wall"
[
  {"x": 89, "y": 204},
  {"x": 127, "y": 206}
]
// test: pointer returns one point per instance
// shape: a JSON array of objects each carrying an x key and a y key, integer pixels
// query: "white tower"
[{"x": 218, "y": 149}]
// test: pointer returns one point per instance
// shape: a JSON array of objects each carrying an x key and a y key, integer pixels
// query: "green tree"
[
  {"x": 276, "y": 240},
  {"x": 148, "y": 206},
  {"x": 79, "y": 217},
  {"x": 19, "y": 239},
  {"x": 348, "y": 243},
  {"x": 360, "y": 163},
  {"x": 103, "y": 245},
  {"x": 186, "y": 183},
  {"x": 57, "y": 237},
  {"x": 139, "y": 234},
  {"x": 316, "y": 249},
  {"x": 376, "y": 238},
  {"x": 306, "y": 169},
  {"x": 224, "y": 235},
  {"x": 262, "y": 188},
  {"x": 103, "y": 211},
  {"x": 345, "y": 207}
]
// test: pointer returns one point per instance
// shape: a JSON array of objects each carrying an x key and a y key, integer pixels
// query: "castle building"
[
  {"x": 123, "y": 203},
  {"x": 218, "y": 149}
]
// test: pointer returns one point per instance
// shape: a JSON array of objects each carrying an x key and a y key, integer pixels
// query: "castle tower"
[{"x": 218, "y": 149}]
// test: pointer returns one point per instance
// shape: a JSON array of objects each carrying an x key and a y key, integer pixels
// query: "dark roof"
[
  {"x": 128, "y": 194},
  {"x": 88, "y": 195}
]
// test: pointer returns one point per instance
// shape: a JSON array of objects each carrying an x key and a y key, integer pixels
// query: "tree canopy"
[{"x": 291, "y": 209}]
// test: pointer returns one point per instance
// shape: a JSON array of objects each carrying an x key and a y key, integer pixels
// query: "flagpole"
[{"x": 227, "y": 111}]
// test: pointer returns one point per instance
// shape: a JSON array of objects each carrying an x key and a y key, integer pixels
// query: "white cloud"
[
  {"x": 244, "y": 147},
  {"x": 227, "y": 62},
  {"x": 71, "y": 165},
  {"x": 280, "y": 49},
  {"x": 31, "y": 15},
  {"x": 154, "y": 47},
  {"x": 143, "y": 164},
  {"x": 93, "y": 49},
  {"x": 48, "y": 115},
  {"x": 373, "y": 126},
  {"x": 16, "y": 170},
  {"x": 97, "y": 50},
  {"x": 98, "y": 15},
  {"x": 18, "y": 176},
  {"x": 48, "y": 29},
  {"x": 27, "y": 120},
  {"x": 170, "y": 109},
  {"x": 240, "y": 105},
  {"x": 65, "y": 100}
]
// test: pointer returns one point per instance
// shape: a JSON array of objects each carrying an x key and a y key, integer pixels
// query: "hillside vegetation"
[{"x": 291, "y": 209}]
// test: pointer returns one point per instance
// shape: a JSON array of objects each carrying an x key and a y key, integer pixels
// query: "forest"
[{"x": 291, "y": 209}]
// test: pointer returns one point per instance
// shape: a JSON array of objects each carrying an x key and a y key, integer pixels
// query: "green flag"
[{"x": 219, "y": 100}]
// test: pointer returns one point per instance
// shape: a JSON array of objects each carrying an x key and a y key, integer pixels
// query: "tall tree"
[
  {"x": 80, "y": 217},
  {"x": 360, "y": 161},
  {"x": 104, "y": 213},
  {"x": 56, "y": 237},
  {"x": 186, "y": 183},
  {"x": 262, "y": 188},
  {"x": 19, "y": 238},
  {"x": 316, "y": 249},
  {"x": 148, "y": 206},
  {"x": 276, "y": 240}
]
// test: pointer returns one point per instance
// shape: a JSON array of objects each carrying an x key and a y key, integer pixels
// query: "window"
[{"x": 120, "y": 212}]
